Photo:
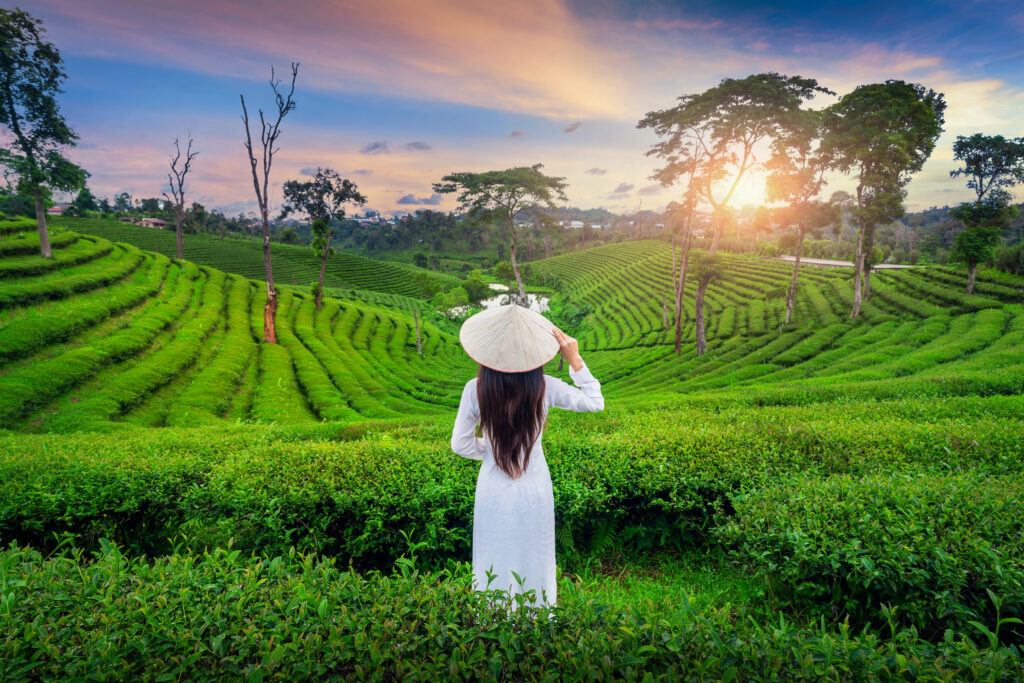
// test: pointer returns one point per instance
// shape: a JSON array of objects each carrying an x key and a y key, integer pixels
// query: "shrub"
[
  {"x": 1010, "y": 259},
  {"x": 929, "y": 547},
  {"x": 296, "y": 617}
]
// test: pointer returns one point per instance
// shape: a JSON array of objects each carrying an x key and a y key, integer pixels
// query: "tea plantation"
[{"x": 835, "y": 498}]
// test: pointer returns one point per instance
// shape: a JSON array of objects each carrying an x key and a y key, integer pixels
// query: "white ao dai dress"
[{"x": 514, "y": 519}]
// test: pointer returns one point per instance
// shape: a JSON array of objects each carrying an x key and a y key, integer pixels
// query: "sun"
[{"x": 750, "y": 191}]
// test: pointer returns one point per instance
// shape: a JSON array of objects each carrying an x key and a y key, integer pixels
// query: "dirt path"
[{"x": 829, "y": 263}]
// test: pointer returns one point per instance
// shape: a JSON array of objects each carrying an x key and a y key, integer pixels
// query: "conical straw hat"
[{"x": 509, "y": 338}]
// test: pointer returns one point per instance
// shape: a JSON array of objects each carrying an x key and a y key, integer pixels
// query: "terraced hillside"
[
  {"x": 107, "y": 333},
  {"x": 917, "y": 326},
  {"x": 292, "y": 265},
  {"x": 833, "y": 500}
]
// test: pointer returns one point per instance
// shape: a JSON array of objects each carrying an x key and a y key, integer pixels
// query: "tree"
[
  {"x": 85, "y": 201},
  {"x": 291, "y": 236},
  {"x": 707, "y": 268},
  {"x": 419, "y": 259},
  {"x": 176, "y": 181},
  {"x": 31, "y": 74},
  {"x": 993, "y": 165},
  {"x": 269, "y": 133},
  {"x": 883, "y": 132},
  {"x": 504, "y": 195},
  {"x": 796, "y": 176},
  {"x": 323, "y": 199},
  {"x": 713, "y": 136},
  {"x": 476, "y": 289}
]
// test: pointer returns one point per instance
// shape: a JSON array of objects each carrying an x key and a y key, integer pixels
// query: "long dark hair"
[{"x": 511, "y": 415}]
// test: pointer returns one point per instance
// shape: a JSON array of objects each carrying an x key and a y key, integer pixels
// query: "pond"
[{"x": 537, "y": 303}]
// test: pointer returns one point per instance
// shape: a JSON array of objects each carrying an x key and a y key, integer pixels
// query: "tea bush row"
[
  {"x": 297, "y": 617},
  {"x": 930, "y": 547},
  {"x": 348, "y": 489}
]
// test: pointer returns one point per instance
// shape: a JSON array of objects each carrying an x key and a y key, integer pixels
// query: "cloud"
[
  {"x": 678, "y": 24},
  {"x": 377, "y": 147},
  {"x": 432, "y": 200},
  {"x": 417, "y": 146},
  {"x": 307, "y": 170},
  {"x": 362, "y": 171},
  {"x": 517, "y": 133},
  {"x": 443, "y": 49},
  {"x": 650, "y": 189},
  {"x": 572, "y": 127},
  {"x": 596, "y": 171},
  {"x": 623, "y": 188}
]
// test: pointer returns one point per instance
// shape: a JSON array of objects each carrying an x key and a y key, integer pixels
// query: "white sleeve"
[
  {"x": 585, "y": 399},
  {"x": 464, "y": 439}
]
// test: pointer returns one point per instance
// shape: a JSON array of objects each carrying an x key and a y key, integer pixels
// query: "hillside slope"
[
  {"x": 107, "y": 333},
  {"x": 293, "y": 265}
]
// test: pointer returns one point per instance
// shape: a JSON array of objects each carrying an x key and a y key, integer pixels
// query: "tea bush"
[
  {"x": 296, "y": 617},
  {"x": 927, "y": 547}
]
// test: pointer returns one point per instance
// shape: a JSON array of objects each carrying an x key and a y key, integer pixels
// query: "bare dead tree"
[
  {"x": 176, "y": 181},
  {"x": 269, "y": 132}
]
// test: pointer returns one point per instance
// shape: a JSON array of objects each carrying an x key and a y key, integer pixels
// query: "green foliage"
[
  {"x": 31, "y": 75},
  {"x": 884, "y": 132},
  {"x": 195, "y": 616},
  {"x": 1010, "y": 259},
  {"x": 504, "y": 272},
  {"x": 445, "y": 302},
  {"x": 813, "y": 430},
  {"x": 976, "y": 244},
  {"x": 914, "y": 550},
  {"x": 476, "y": 289}
]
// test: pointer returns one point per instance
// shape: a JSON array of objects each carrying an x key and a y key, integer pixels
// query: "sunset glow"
[{"x": 395, "y": 94}]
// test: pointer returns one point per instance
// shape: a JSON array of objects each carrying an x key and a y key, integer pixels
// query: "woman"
[{"x": 514, "y": 510}]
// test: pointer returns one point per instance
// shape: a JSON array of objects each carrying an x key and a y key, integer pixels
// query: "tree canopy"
[
  {"x": 712, "y": 136},
  {"x": 323, "y": 197},
  {"x": 503, "y": 193}
]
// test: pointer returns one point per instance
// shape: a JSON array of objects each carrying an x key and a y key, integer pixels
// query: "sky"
[{"x": 394, "y": 94}]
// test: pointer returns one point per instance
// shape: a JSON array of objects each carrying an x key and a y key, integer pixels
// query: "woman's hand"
[{"x": 570, "y": 349}]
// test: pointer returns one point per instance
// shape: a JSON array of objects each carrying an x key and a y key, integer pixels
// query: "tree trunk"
[
  {"x": 702, "y": 344},
  {"x": 681, "y": 285},
  {"x": 320, "y": 288},
  {"x": 791, "y": 295},
  {"x": 970, "y": 278},
  {"x": 515, "y": 266},
  {"x": 179, "y": 231},
  {"x": 673, "y": 263},
  {"x": 44, "y": 234},
  {"x": 664, "y": 309},
  {"x": 270, "y": 310},
  {"x": 416, "y": 319},
  {"x": 547, "y": 246},
  {"x": 223, "y": 227},
  {"x": 858, "y": 268},
  {"x": 869, "y": 248},
  {"x": 719, "y": 227}
]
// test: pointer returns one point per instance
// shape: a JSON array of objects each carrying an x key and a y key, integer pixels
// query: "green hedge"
[
  {"x": 637, "y": 478},
  {"x": 123, "y": 261},
  {"x": 930, "y": 547},
  {"x": 41, "y": 325},
  {"x": 294, "y": 617},
  {"x": 26, "y": 244},
  {"x": 82, "y": 251}
]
